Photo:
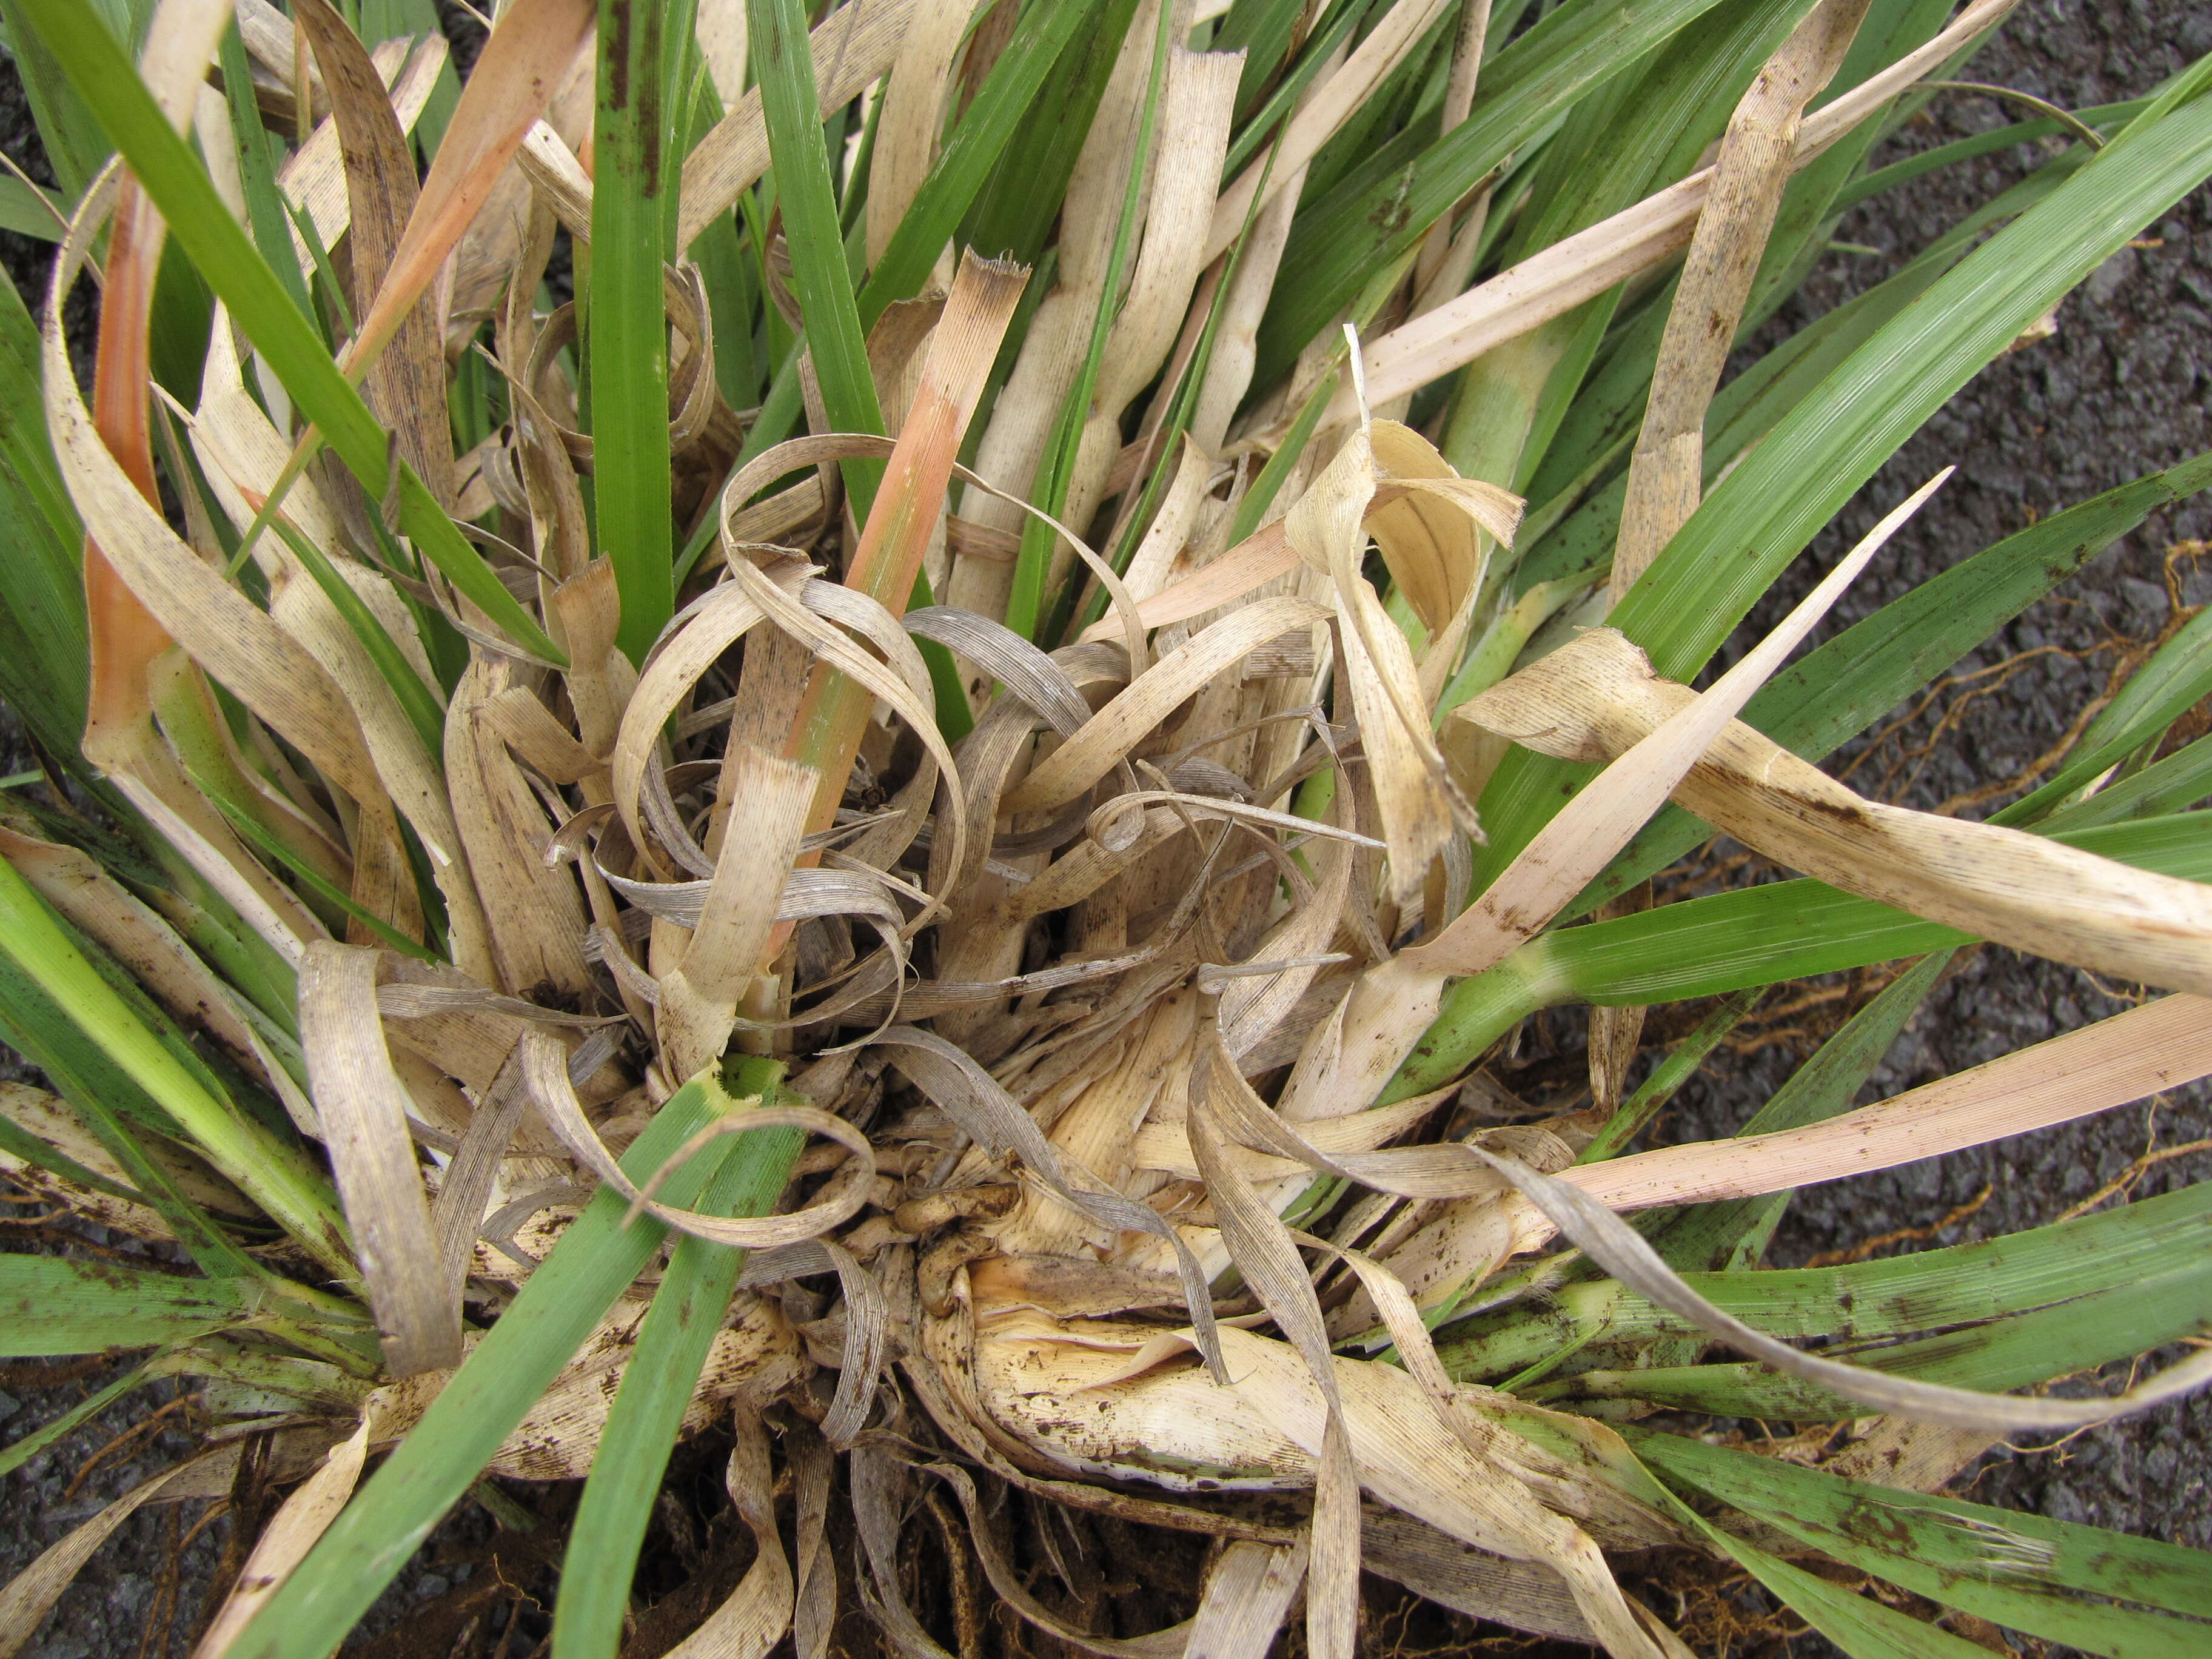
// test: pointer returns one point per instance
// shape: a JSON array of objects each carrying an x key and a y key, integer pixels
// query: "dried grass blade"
[
  {"x": 975, "y": 1100},
  {"x": 516, "y": 74},
  {"x": 770, "y": 799},
  {"x": 1025, "y": 442},
  {"x": 1117, "y": 728},
  {"x": 2161, "y": 1045},
  {"x": 1524, "y": 1595},
  {"x": 853, "y": 45},
  {"x": 1409, "y": 1459},
  {"x": 285, "y": 1542},
  {"x": 1584, "y": 837},
  {"x": 1161, "y": 1645},
  {"x": 1259, "y": 559},
  {"x": 545, "y": 1071},
  {"x": 363, "y": 1108},
  {"x": 219, "y": 248},
  {"x": 126, "y": 638},
  {"x": 31, "y": 1595},
  {"x": 1667, "y": 469},
  {"x": 457, "y": 1213},
  {"x": 1193, "y": 117},
  {"x": 913, "y": 116},
  {"x": 1447, "y": 259},
  {"x": 405, "y": 386},
  {"x": 1598, "y": 694},
  {"x": 758, "y": 1612},
  {"x": 534, "y": 916},
  {"x": 311, "y": 194},
  {"x": 1248, "y": 1595},
  {"x": 135, "y": 935},
  {"x": 1417, "y": 802},
  {"x": 1262, "y": 1248}
]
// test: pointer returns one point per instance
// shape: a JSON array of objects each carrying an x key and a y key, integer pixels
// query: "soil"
[{"x": 2120, "y": 389}]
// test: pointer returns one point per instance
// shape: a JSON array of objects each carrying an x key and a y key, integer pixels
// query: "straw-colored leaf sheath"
[{"x": 364, "y": 1110}]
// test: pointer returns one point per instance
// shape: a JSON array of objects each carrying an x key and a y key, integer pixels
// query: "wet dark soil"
[{"x": 2119, "y": 390}]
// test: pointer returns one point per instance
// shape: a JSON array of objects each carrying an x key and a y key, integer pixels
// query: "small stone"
[
  {"x": 8, "y": 1405},
  {"x": 2109, "y": 278},
  {"x": 2146, "y": 601}
]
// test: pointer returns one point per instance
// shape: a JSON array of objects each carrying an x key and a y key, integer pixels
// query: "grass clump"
[{"x": 1079, "y": 607}]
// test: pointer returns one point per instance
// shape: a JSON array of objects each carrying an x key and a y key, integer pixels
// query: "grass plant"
[{"x": 842, "y": 723}]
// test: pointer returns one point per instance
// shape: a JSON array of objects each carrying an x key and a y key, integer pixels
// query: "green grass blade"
[
  {"x": 1817, "y": 457},
  {"x": 657, "y": 1387},
  {"x": 340, "y": 902},
  {"x": 2019, "y": 1351},
  {"x": 295, "y": 1198},
  {"x": 174, "y": 179},
  {"x": 1670, "y": 1074},
  {"x": 1015, "y": 212},
  {"x": 2163, "y": 689},
  {"x": 41, "y": 590},
  {"x": 2104, "y": 117},
  {"x": 60, "y": 1307},
  {"x": 974, "y": 149},
  {"x": 115, "y": 1110},
  {"x": 19, "y": 1452},
  {"x": 75, "y": 145},
  {"x": 45, "y": 653},
  {"x": 265, "y": 206},
  {"x": 784, "y": 66},
  {"x": 821, "y": 275},
  {"x": 1895, "y": 1296},
  {"x": 1570, "y": 536},
  {"x": 18, "y": 1142},
  {"x": 1339, "y": 242},
  {"x": 1264, "y": 41},
  {"x": 1643, "y": 128},
  {"x": 391, "y": 20},
  {"x": 1801, "y": 925},
  {"x": 733, "y": 284},
  {"x": 2173, "y": 785},
  {"x": 633, "y": 149},
  {"x": 1968, "y": 1555},
  {"x": 1862, "y": 1626},
  {"x": 558, "y": 1307}
]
